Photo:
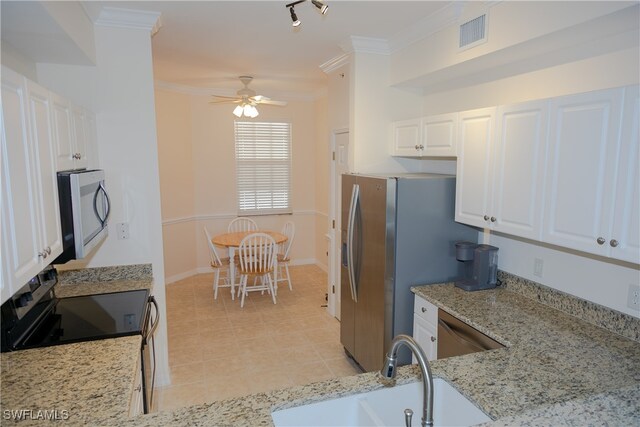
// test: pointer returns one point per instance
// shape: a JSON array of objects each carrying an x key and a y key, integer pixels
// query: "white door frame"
[{"x": 333, "y": 282}]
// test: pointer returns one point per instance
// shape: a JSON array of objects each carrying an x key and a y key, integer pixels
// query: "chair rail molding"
[{"x": 227, "y": 216}]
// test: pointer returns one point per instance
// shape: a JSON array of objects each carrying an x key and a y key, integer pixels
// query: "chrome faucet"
[{"x": 389, "y": 371}]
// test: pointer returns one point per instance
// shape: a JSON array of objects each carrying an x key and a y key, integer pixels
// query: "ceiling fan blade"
[
  {"x": 225, "y": 97},
  {"x": 273, "y": 102},
  {"x": 226, "y": 101},
  {"x": 268, "y": 101}
]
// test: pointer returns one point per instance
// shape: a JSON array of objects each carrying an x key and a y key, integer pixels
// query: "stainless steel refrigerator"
[{"x": 397, "y": 231}]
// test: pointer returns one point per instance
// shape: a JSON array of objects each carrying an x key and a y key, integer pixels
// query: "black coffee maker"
[{"x": 480, "y": 266}]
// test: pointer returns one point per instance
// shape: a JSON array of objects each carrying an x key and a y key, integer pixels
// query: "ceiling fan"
[{"x": 246, "y": 99}]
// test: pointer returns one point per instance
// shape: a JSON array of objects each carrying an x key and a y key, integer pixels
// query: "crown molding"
[
  {"x": 359, "y": 44},
  {"x": 129, "y": 18},
  {"x": 335, "y": 63}
]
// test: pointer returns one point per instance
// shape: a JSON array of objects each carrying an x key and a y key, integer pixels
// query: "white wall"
[
  {"x": 197, "y": 174},
  {"x": 596, "y": 279}
]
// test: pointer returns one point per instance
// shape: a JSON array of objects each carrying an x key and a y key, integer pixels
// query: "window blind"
[{"x": 263, "y": 167}]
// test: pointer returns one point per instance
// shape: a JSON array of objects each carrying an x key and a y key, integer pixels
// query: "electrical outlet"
[
  {"x": 122, "y": 230},
  {"x": 537, "y": 267},
  {"x": 633, "y": 300}
]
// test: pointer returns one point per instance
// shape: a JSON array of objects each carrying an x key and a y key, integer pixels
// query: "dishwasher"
[{"x": 456, "y": 338}]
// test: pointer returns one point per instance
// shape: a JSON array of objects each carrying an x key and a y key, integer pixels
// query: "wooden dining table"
[{"x": 232, "y": 241}]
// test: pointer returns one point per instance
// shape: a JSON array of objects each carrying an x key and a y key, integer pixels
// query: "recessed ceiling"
[{"x": 208, "y": 44}]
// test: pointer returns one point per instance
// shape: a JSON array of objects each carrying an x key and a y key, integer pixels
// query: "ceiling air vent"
[{"x": 473, "y": 32}]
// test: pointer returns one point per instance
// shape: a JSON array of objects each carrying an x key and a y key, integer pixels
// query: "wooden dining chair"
[
  {"x": 219, "y": 265},
  {"x": 289, "y": 230},
  {"x": 257, "y": 258},
  {"x": 242, "y": 224}
]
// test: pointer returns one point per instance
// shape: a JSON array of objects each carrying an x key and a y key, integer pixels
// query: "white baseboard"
[{"x": 203, "y": 270}]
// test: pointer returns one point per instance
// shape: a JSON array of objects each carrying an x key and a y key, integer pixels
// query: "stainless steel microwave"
[{"x": 84, "y": 212}]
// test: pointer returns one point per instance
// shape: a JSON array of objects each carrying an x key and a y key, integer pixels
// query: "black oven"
[{"x": 29, "y": 322}]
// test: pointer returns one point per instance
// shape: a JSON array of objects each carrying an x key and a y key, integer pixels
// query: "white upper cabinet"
[
  {"x": 499, "y": 174},
  {"x": 439, "y": 134},
  {"x": 31, "y": 235},
  {"x": 431, "y": 136},
  {"x": 406, "y": 136},
  {"x": 474, "y": 167},
  {"x": 583, "y": 157},
  {"x": 518, "y": 169},
  {"x": 73, "y": 133},
  {"x": 624, "y": 241}
]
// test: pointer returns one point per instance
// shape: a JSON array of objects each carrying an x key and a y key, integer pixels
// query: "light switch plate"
[{"x": 538, "y": 264}]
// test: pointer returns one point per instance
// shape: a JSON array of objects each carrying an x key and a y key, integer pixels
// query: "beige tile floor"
[{"x": 218, "y": 350}]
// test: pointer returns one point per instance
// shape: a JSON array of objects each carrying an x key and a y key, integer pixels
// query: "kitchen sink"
[{"x": 385, "y": 407}]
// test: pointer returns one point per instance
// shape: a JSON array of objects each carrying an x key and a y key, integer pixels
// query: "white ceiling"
[{"x": 207, "y": 44}]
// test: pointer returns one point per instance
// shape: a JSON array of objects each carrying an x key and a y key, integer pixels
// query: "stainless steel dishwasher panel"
[{"x": 456, "y": 338}]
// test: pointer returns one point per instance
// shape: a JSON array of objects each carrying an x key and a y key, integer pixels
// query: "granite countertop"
[
  {"x": 103, "y": 280},
  {"x": 88, "y": 383},
  {"x": 556, "y": 369}
]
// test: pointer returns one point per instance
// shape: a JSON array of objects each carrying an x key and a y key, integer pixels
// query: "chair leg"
[
  {"x": 243, "y": 289},
  {"x": 270, "y": 284},
  {"x": 286, "y": 267},
  {"x": 216, "y": 279}
]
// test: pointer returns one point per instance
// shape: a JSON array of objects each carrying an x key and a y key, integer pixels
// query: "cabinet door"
[
  {"x": 45, "y": 167},
  {"x": 406, "y": 138},
  {"x": 439, "y": 135},
  {"x": 80, "y": 135},
  {"x": 518, "y": 172},
  {"x": 625, "y": 236},
  {"x": 473, "y": 182},
  {"x": 65, "y": 149},
  {"x": 426, "y": 336},
  {"x": 20, "y": 220},
  {"x": 583, "y": 146}
]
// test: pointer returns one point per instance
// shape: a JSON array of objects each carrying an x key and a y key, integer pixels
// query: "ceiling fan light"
[
  {"x": 247, "y": 110},
  {"x": 294, "y": 17},
  {"x": 321, "y": 6},
  {"x": 238, "y": 111},
  {"x": 253, "y": 112}
]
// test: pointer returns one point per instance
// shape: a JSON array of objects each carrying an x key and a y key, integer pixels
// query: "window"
[{"x": 263, "y": 167}]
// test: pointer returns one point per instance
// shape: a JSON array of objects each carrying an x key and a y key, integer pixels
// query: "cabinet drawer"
[{"x": 425, "y": 310}]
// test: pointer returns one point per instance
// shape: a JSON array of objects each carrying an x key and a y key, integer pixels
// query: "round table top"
[{"x": 234, "y": 239}]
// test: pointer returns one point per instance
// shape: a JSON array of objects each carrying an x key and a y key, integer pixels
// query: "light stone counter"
[
  {"x": 90, "y": 383},
  {"x": 102, "y": 280},
  {"x": 556, "y": 370}
]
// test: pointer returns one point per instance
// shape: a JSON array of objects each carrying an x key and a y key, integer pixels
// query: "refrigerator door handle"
[{"x": 350, "y": 228}]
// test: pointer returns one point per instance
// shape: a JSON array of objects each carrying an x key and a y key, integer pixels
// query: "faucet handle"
[{"x": 408, "y": 413}]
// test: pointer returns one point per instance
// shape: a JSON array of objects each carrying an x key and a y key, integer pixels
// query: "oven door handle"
[
  {"x": 154, "y": 322},
  {"x": 107, "y": 204}
]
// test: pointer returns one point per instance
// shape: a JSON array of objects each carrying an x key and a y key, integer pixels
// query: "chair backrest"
[
  {"x": 242, "y": 224},
  {"x": 289, "y": 230},
  {"x": 213, "y": 254},
  {"x": 257, "y": 253}
]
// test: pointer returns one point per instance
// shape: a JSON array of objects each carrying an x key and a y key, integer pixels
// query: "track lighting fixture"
[
  {"x": 294, "y": 17},
  {"x": 322, "y": 7}
]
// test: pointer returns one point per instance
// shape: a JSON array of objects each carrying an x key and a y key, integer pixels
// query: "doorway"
[{"x": 339, "y": 166}]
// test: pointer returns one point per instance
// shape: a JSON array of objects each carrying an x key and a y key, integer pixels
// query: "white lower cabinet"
[
  {"x": 425, "y": 327},
  {"x": 31, "y": 234}
]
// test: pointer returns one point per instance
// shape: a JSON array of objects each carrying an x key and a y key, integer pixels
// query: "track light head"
[
  {"x": 294, "y": 17},
  {"x": 320, "y": 5}
]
